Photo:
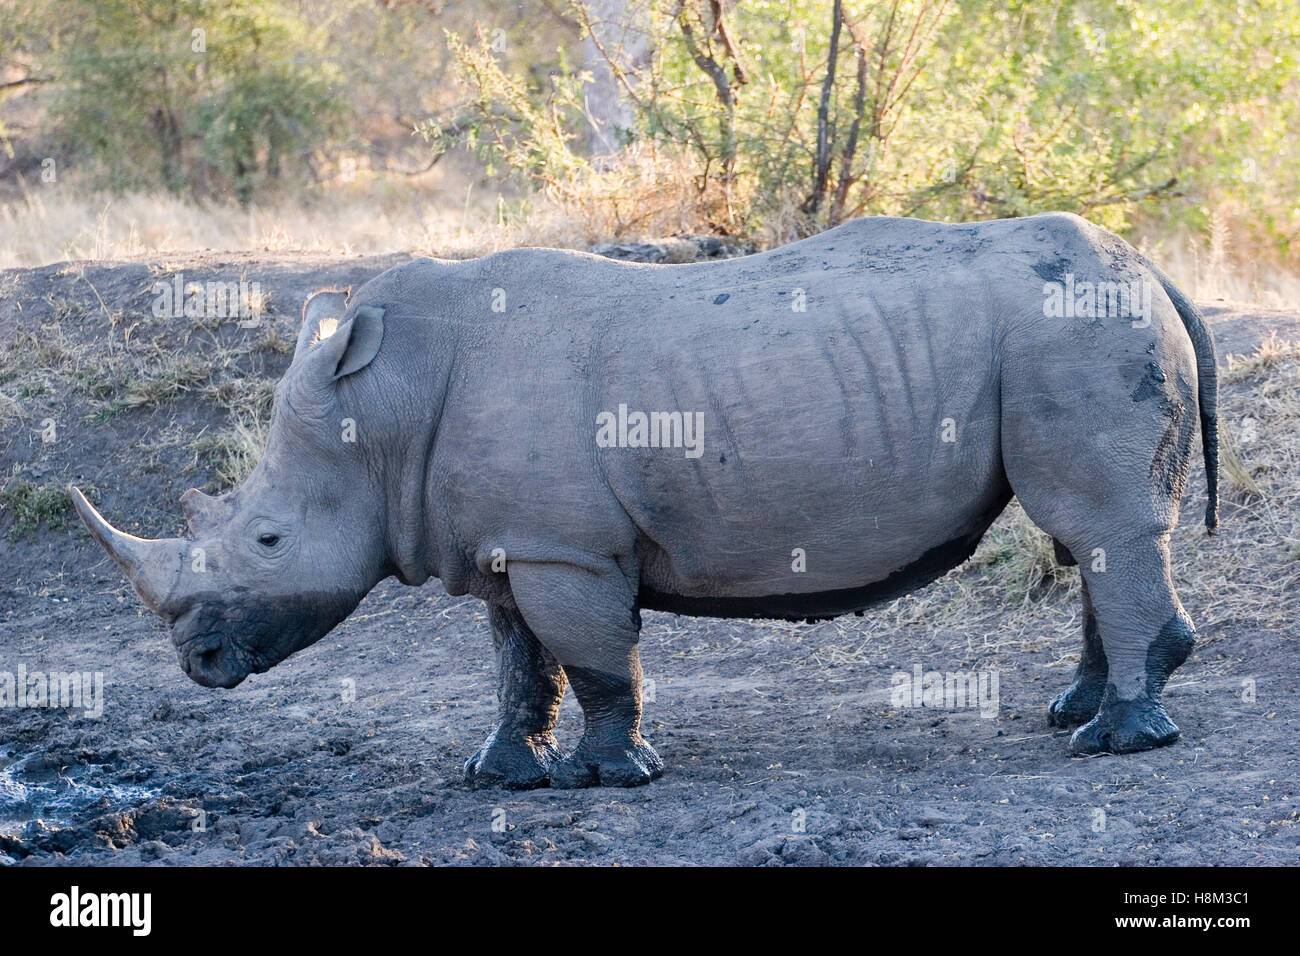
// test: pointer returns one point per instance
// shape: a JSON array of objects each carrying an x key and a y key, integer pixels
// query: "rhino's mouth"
[
  {"x": 220, "y": 642},
  {"x": 211, "y": 659}
]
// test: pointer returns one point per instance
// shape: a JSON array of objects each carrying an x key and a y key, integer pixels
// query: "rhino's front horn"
[{"x": 152, "y": 566}]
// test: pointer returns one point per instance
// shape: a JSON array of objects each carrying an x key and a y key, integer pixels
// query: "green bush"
[
  {"x": 33, "y": 505},
  {"x": 198, "y": 95}
]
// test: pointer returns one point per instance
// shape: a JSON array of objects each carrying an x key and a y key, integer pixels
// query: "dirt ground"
[{"x": 782, "y": 743}]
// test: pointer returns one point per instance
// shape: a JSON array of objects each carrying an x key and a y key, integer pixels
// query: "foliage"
[
  {"x": 192, "y": 93},
  {"x": 33, "y": 505},
  {"x": 812, "y": 111},
  {"x": 528, "y": 130},
  {"x": 790, "y": 115}
]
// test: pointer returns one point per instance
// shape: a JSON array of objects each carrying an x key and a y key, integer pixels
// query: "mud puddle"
[{"x": 37, "y": 793}]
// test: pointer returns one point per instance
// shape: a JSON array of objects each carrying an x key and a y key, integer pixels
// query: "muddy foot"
[
  {"x": 1125, "y": 726},
  {"x": 513, "y": 761},
  {"x": 626, "y": 763},
  {"x": 1077, "y": 705}
]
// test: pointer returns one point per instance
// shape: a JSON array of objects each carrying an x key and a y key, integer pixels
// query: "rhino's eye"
[{"x": 268, "y": 540}]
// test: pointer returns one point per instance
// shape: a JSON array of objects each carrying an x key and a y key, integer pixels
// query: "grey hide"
[{"x": 800, "y": 433}]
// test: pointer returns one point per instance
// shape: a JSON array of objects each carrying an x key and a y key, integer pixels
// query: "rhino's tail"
[{"x": 1207, "y": 376}]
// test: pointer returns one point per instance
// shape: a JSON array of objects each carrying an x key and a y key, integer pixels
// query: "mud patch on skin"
[
  {"x": 1080, "y": 702},
  {"x": 1152, "y": 384},
  {"x": 1168, "y": 651},
  {"x": 1172, "y": 461},
  {"x": 1053, "y": 270},
  {"x": 1119, "y": 256},
  {"x": 1124, "y": 726}
]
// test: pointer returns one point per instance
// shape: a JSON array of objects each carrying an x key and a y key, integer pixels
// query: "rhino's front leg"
[
  {"x": 590, "y": 622},
  {"x": 520, "y": 752}
]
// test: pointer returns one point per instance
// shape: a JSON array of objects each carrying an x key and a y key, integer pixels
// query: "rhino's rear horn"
[{"x": 201, "y": 511}]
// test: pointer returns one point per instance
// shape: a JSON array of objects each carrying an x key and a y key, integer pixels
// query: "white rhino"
[{"x": 573, "y": 439}]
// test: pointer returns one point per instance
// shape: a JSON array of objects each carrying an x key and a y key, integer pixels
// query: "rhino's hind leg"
[
  {"x": 520, "y": 752},
  {"x": 1080, "y": 702},
  {"x": 1124, "y": 395},
  {"x": 1145, "y": 634},
  {"x": 591, "y": 624}
]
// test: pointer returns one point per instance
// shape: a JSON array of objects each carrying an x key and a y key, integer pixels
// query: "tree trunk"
[
  {"x": 169, "y": 148},
  {"x": 615, "y": 53}
]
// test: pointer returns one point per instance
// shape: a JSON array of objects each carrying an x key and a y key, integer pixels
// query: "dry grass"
[
  {"x": 116, "y": 373},
  {"x": 647, "y": 194},
  {"x": 650, "y": 193},
  {"x": 60, "y": 222},
  {"x": 1216, "y": 267},
  {"x": 11, "y": 409},
  {"x": 77, "y": 383},
  {"x": 34, "y": 364},
  {"x": 1243, "y": 457},
  {"x": 1272, "y": 352},
  {"x": 1020, "y": 558},
  {"x": 1238, "y": 477},
  {"x": 233, "y": 452}
]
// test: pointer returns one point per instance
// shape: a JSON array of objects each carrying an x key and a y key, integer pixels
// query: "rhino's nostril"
[
  {"x": 212, "y": 662},
  {"x": 200, "y": 654}
]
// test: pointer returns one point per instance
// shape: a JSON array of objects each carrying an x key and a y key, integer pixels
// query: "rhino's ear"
[
  {"x": 365, "y": 334},
  {"x": 340, "y": 347},
  {"x": 319, "y": 307}
]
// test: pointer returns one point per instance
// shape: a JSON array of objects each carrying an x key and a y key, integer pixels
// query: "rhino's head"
[{"x": 271, "y": 567}]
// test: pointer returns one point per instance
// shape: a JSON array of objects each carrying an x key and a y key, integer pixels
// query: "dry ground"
[{"x": 781, "y": 742}]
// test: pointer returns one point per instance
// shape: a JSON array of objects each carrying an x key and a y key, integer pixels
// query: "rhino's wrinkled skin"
[{"x": 868, "y": 399}]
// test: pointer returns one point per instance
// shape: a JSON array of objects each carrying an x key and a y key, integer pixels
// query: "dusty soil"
[{"x": 781, "y": 741}]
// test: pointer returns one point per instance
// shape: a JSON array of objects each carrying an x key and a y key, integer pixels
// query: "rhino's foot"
[
  {"x": 1125, "y": 726},
  {"x": 516, "y": 762},
  {"x": 1077, "y": 705},
  {"x": 627, "y": 762}
]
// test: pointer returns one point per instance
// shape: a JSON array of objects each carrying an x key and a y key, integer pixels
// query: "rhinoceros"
[{"x": 574, "y": 439}]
